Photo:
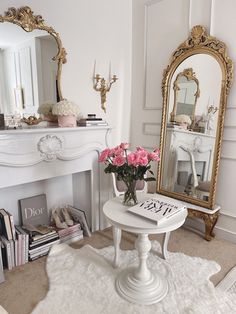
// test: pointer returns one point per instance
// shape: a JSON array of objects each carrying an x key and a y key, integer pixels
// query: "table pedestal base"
[{"x": 138, "y": 291}]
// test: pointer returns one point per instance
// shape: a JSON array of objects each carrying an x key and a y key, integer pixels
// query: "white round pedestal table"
[{"x": 139, "y": 284}]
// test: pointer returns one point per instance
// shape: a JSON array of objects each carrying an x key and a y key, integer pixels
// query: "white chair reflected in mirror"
[{"x": 119, "y": 190}]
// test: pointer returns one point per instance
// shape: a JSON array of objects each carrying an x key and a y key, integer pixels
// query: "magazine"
[
  {"x": 34, "y": 210},
  {"x": 78, "y": 215},
  {"x": 157, "y": 210}
]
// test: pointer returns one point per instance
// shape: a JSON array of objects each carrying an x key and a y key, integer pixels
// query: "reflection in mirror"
[
  {"x": 28, "y": 73},
  {"x": 186, "y": 92},
  {"x": 195, "y": 87},
  {"x": 190, "y": 138},
  {"x": 196, "y": 94}
]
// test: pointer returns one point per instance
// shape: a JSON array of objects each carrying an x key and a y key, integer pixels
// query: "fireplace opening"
[{"x": 73, "y": 189}]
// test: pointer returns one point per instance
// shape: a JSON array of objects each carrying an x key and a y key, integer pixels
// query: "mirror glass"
[
  {"x": 195, "y": 87},
  {"x": 191, "y": 127},
  {"x": 28, "y": 74}
]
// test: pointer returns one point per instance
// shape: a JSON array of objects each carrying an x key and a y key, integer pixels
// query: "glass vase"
[{"x": 130, "y": 196}]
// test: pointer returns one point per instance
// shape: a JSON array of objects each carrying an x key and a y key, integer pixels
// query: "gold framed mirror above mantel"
[
  {"x": 186, "y": 92},
  {"x": 190, "y": 146},
  {"x": 33, "y": 51}
]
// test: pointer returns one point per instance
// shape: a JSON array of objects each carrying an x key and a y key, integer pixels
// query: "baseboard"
[
  {"x": 220, "y": 230},
  {"x": 226, "y": 235}
]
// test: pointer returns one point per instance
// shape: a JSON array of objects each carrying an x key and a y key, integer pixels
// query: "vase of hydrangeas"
[
  {"x": 45, "y": 111},
  {"x": 129, "y": 167},
  {"x": 67, "y": 113}
]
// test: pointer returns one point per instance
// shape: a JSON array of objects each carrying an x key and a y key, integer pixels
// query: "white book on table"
[{"x": 157, "y": 210}]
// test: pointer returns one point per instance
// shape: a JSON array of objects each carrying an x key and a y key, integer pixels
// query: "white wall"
[
  {"x": 92, "y": 30},
  {"x": 169, "y": 24}
]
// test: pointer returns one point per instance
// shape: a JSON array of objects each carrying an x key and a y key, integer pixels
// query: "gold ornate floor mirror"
[{"x": 195, "y": 87}]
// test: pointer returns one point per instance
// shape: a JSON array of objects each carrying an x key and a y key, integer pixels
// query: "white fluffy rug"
[
  {"x": 229, "y": 282},
  {"x": 82, "y": 282}
]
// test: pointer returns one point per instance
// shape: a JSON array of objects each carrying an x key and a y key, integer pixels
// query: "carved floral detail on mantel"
[{"x": 50, "y": 146}]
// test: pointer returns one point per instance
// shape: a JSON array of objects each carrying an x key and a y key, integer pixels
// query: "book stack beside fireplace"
[
  {"x": 41, "y": 240},
  {"x": 35, "y": 236}
]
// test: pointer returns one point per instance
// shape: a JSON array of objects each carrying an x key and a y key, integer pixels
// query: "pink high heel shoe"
[
  {"x": 59, "y": 224},
  {"x": 67, "y": 217}
]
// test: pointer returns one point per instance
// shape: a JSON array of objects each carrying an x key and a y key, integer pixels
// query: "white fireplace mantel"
[{"x": 34, "y": 154}]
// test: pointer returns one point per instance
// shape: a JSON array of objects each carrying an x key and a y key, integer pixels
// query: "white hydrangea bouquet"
[
  {"x": 67, "y": 112},
  {"x": 45, "y": 111}
]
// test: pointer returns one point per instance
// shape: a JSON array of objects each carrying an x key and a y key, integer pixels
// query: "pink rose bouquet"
[{"x": 129, "y": 166}]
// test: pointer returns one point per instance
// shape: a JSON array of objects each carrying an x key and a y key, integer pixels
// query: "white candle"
[
  {"x": 94, "y": 69},
  {"x": 109, "y": 77}
]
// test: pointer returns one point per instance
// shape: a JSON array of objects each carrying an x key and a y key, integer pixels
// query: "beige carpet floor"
[{"x": 26, "y": 285}]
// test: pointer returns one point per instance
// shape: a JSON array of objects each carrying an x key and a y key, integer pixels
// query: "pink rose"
[
  {"x": 104, "y": 155},
  {"x": 142, "y": 153},
  {"x": 132, "y": 159},
  {"x": 118, "y": 151},
  {"x": 142, "y": 161},
  {"x": 157, "y": 151},
  {"x": 154, "y": 156},
  {"x": 112, "y": 152},
  {"x": 118, "y": 161},
  {"x": 124, "y": 145},
  {"x": 139, "y": 148}
]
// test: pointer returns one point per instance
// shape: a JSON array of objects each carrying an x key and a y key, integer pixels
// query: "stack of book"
[
  {"x": 70, "y": 234},
  {"x": 8, "y": 240},
  {"x": 21, "y": 247},
  {"x": 41, "y": 239},
  {"x": 91, "y": 120}
]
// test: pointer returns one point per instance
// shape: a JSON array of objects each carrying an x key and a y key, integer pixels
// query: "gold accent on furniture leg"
[{"x": 210, "y": 221}]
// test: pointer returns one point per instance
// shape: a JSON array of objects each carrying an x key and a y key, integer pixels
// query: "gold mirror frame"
[
  {"x": 199, "y": 42},
  {"x": 190, "y": 76},
  {"x": 25, "y": 18}
]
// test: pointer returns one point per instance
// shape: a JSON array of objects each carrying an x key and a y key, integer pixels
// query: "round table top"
[{"x": 119, "y": 216}]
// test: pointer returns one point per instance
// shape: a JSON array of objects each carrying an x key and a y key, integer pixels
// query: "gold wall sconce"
[{"x": 103, "y": 86}]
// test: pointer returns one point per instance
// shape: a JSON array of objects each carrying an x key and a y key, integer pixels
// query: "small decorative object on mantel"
[
  {"x": 92, "y": 120},
  {"x": 31, "y": 120},
  {"x": 45, "y": 111},
  {"x": 67, "y": 112},
  {"x": 129, "y": 167},
  {"x": 12, "y": 121}
]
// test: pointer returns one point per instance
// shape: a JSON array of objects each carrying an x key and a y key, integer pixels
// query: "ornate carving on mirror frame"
[
  {"x": 25, "y": 18},
  {"x": 190, "y": 76},
  {"x": 199, "y": 42},
  {"x": 199, "y": 39}
]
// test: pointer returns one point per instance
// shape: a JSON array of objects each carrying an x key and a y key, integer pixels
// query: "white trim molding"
[{"x": 151, "y": 128}]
